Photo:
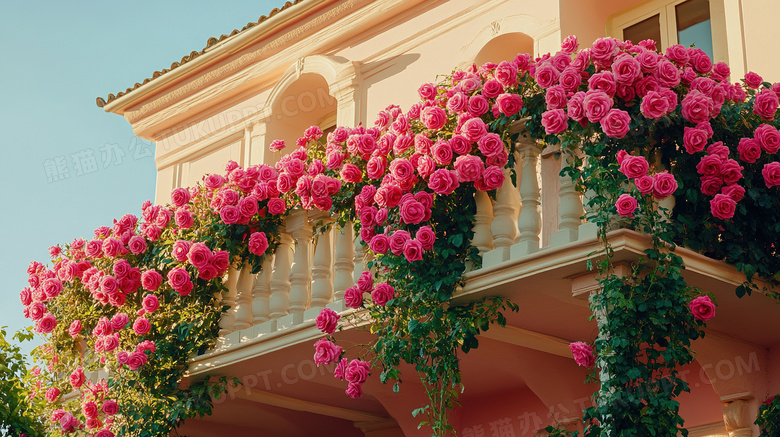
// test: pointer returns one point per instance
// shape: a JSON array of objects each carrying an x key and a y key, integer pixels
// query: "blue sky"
[{"x": 68, "y": 167}]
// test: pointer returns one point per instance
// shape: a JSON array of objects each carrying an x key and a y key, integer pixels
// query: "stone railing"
[{"x": 307, "y": 274}]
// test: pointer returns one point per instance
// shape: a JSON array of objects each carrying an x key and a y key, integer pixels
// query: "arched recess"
[
  {"x": 317, "y": 90},
  {"x": 505, "y": 47}
]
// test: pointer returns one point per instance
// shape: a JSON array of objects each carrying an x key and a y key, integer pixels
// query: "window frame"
[{"x": 667, "y": 20}]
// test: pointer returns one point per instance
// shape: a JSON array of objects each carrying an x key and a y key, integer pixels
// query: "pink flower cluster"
[
  {"x": 242, "y": 196},
  {"x": 661, "y": 185},
  {"x": 719, "y": 177},
  {"x": 381, "y": 293},
  {"x": 627, "y": 74},
  {"x": 97, "y": 410}
]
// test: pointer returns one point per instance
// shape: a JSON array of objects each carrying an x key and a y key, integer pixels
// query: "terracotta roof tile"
[{"x": 194, "y": 54}]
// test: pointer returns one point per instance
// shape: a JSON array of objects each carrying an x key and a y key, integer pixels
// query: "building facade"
[{"x": 332, "y": 63}]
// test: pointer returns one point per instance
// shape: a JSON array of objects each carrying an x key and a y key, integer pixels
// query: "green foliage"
[
  {"x": 769, "y": 417},
  {"x": 18, "y": 415}
]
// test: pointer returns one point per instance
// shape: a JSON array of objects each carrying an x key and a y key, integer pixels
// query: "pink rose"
[
  {"x": 353, "y": 297},
  {"x": 583, "y": 354},
  {"x": 119, "y": 321},
  {"x": 178, "y": 277},
  {"x": 89, "y": 409},
  {"x": 765, "y": 105},
  {"x": 75, "y": 328},
  {"x": 570, "y": 79},
  {"x": 603, "y": 81},
  {"x": 616, "y": 123},
  {"x": 184, "y": 219},
  {"x": 341, "y": 367},
  {"x": 696, "y": 107},
  {"x": 276, "y": 206},
  {"x": 77, "y": 378},
  {"x": 354, "y": 390},
  {"x": 141, "y": 326},
  {"x": 554, "y": 121},
  {"x": 597, "y": 104},
  {"x": 731, "y": 172},
  {"x": 722, "y": 206},
  {"x": 258, "y": 243},
  {"x": 443, "y": 181},
  {"x": 382, "y": 293},
  {"x": 694, "y": 140},
  {"x": 136, "y": 360},
  {"x": 327, "y": 321},
  {"x": 326, "y": 352},
  {"x": 379, "y": 243},
  {"x": 752, "y": 80},
  {"x": 644, "y": 184},
  {"x": 180, "y": 196},
  {"x": 546, "y": 75},
  {"x": 427, "y": 91},
  {"x": 52, "y": 394},
  {"x": 626, "y": 205},
  {"x": 768, "y": 137},
  {"x": 749, "y": 150},
  {"x": 442, "y": 152},
  {"x": 366, "y": 282},
  {"x": 351, "y": 173},
  {"x": 710, "y": 165},
  {"x": 199, "y": 255},
  {"x": 151, "y": 280},
  {"x": 575, "y": 109},
  {"x": 634, "y": 166},
  {"x": 654, "y": 105},
  {"x": 357, "y": 371},
  {"x": 473, "y": 129},
  {"x": 678, "y": 54},
  {"x": 180, "y": 250},
  {"x": 478, "y": 105},
  {"x": 506, "y": 73},
  {"x": 46, "y": 324},
  {"x": 667, "y": 74},
  {"x": 229, "y": 214},
  {"x": 52, "y": 287},
  {"x": 468, "y": 168},
  {"x": 710, "y": 185},
  {"x": 604, "y": 50},
  {"x": 771, "y": 173},
  {"x": 702, "y": 308},
  {"x": 492, "y": 178},
  {"x": 664, "y": 185},
  {"x": 109, "y": 284},
  {"x": 397, "y": 241},
  {"x": 701, "y": 61},
  {"x": 137, "y": 244},
  {"x": 426, "y": 237},
  {"x": 736, "y": 192},
  {"x": 376, "y": 166},
  {"x": 413, "y": 250},
  {"x": 150, "y": 303},
  {"x": 491, "y": 144},
  {"x": 509, "y": 104},
  {"x": 433, "y": 117}
]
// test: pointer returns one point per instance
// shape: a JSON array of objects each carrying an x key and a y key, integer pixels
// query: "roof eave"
[{"x": 212, "y": 54}]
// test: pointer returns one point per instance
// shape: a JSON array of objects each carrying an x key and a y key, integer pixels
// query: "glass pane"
[
  {"x": 645, "y": 29},
  {"x": 693, "y": 25}
]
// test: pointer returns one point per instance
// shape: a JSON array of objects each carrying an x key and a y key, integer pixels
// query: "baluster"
[
  {"x": 261, "y": 312},
  {"x": 360, "y": 264},
  {"x": 300, "y": 273},
  {"x": 229, "y": 300},
  {"x": 344, "y": 264},
  {"x": 570, "y": 210},
  {"x": 321, "y": 282},
  {"x": 529, "y": 222},
  {"x": 279, "y": 302},
  {"x": 483, "y": 239},
  {"x": 244, "y": 299},
  {"x": 504, "y": 224}
]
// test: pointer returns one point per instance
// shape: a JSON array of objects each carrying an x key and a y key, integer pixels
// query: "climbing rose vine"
[{"x": 660, "y": 143}]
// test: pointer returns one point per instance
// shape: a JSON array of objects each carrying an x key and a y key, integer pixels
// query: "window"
[{"x": 668, "y": 22}]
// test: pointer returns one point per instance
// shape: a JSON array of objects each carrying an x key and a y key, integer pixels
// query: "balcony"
[{"x": 535, "y": 250}]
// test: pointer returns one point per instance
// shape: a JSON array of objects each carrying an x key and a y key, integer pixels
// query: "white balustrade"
[
  {"x": 243, "y": 313},
  {"x": 261, "y": 293},
  {"x": 529, "y": 222},
  {"x": 344, "y": 264},
  {"x": 300, "y": 279},
  {"x": 300, "y": 271},
  {"x": 322, "y": 268},
  {"x": 279, "y": 302},
  {"x": 483, "y": 239},
  {"x": 229, "y": 300},
  {"x": 570, "y": 210}
]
